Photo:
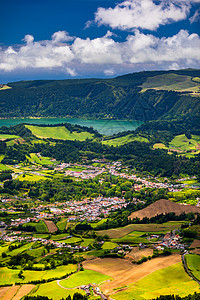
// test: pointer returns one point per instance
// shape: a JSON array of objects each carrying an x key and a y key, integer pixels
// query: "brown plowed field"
[
  {"x": 11, "y": 292},
  {"x": 3, "y": 291},
  {"x": 124, "y": 272},
  {"x": 23, "y": 291},
  {"x": 195, "y": 244},
  {"x": 51, "y": 226},
  {"x": 163, "y": 206},
  {"x": 136, "y": 254}
]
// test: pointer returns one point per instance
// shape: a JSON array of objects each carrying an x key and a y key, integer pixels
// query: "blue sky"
[{"x": 58, "y": 39}]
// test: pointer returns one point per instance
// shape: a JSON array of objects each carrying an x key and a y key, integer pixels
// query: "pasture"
[
  {"x": 124, "y": 273},
  {"x": 62, "y": 224},
  {"x": 59, "y": 132},
  {"x": 53, "y": 290},
  {"x": 172, "y": 82},
  {"x": 142, "y": 228},
  {"x": 82, "y": 278},
  {"x": 169, "y": 280},
  {"x": 8, "y": 136},
  {"x": 182, "y": 143},
  {"x": 193, "y": 264},
  {"x": 10, "y": 276},
  {"x": 124, "y": 140}
]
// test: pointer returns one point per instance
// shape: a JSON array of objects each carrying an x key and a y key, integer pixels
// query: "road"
[{"x": 187, "y": 270}]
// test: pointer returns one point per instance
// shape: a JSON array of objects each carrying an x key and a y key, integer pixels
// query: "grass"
[
  {"x": 53, "y": 290},
  {"x": 40, "y": 160},
  {"x": 4, "y": 167},
  {"x": 87, "y": 242},
  {"x": 124, "y": 140},
  {"x": 170, "y": 280},
  {"x": 170, "y": 82},
  {"x": 62, "y": 224},
  {"x": 11, "y": 276},
  {"x": 31, "y": 177},
  {"x": 8, "y": 136},
  {"x": 5, "y": 87},
  {"x": 84, "y": 277},
  {"x": 40, "y": 226},
  {"x": 71, "y": 240},
  {"x": 159, "y": 146},
  {"x": 133, "y": 237},
  {"x": 193, "y": 263},
  {"x": 182, "y": 143},
  {"x": 94, "y": 225},
  {"x": 109, "y": 245},
  {"x": 142, "y": 228},
  {"x": 59, "y": 132}
]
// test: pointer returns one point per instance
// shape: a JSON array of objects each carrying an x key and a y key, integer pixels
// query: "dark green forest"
[{"x": 117, "y": 98}]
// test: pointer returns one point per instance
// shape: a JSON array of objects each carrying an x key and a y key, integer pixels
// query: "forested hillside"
[{"x": 138, "y": 96}]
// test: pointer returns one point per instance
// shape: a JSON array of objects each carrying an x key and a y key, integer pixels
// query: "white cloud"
[
  {"x": 71, "y": 72},
  {"x": 109, "y": 72},
  {"x": 103, "y": 55},
  {"x": 42, "y": 54},
  {"x": 144, "y": 14},
  {"x": 195, "y": 17},
  {"x": 97, "y": 51}
]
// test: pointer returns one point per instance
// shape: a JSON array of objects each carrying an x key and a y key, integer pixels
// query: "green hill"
[{"x": 138, "y": 96}]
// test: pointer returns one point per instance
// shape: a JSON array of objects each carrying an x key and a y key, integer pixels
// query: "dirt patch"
[
  {"x": 136, "y": 254},
  {"x": 3, "y": 291},
  {"x": 23, "y": 291},
  {"x": 196, "y": 245},
  {"x": 124, "y": 272},
  {"x": 164, "y": 206},
  {"x": 51, "y": 226},
  {"x": 11, "y": 292}
]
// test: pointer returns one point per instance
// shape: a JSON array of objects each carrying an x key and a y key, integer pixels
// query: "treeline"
[
  {"x": 76, "y": 296},
  {"x": 195, "y": 296}
]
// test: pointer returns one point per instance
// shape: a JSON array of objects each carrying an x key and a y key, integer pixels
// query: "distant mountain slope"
[
  {"x": 164, "y": 206},
  {"x": 138, "y": 96}
]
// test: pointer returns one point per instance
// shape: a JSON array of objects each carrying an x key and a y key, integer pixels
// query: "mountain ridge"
[{"x": 121, "y": 97}]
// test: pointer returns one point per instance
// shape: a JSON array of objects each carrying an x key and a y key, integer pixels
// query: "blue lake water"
[{"x": 107, "y": 127}]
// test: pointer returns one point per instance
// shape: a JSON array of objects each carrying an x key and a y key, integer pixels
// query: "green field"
[
  {"x": 182, "y": 143},
  {"x": 193, "y": 263},
  {"x": 94, "y": 225},
  {"x": 185, "y": 196},
  {"x": 71, "y": 240},
  {"x": 59, "y": 132},
  {"x": 62, "y": 224},
  {"x": 141, "y": 228},
  {"x": 133, "y": 237},
  {"x": 8, "y": 136},
  {"x": 84, "y": 277},
  {"x": 53, "y": 290},
  {"x": 167, "y": 281},
  {"x": 31, "y": 177},
  {"x": 87, "y": 242},
  {"x": 39, "y": 160},
  {"x": 109, "y": 245},
  {"x": 171, "y": 82},
  {"x": 10, "y": 276},
  {"x": 159, "y": 146},
  {"x": 124, "y": 140},
  {"x": 40, "y": 226},
  {"x": 4, "y": 167}
]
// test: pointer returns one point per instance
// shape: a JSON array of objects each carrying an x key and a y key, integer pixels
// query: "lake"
[{"x": 107, "y": 127}]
